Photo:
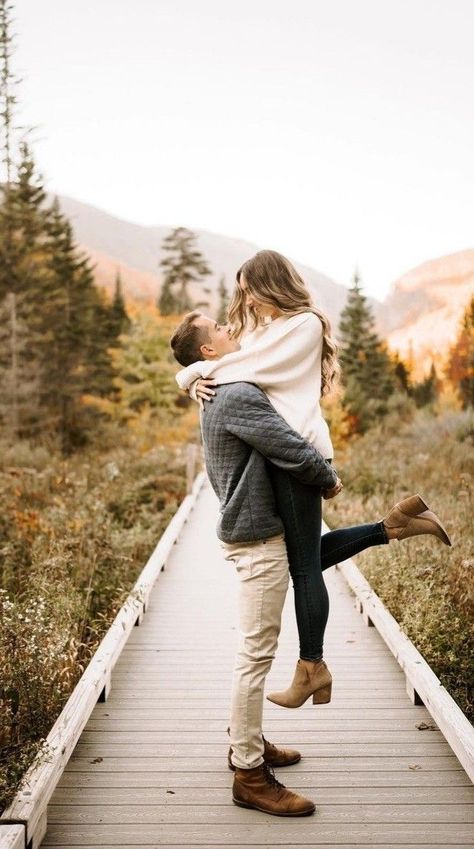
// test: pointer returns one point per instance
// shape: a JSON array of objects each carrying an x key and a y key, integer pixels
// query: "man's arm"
[{"x": 250, "y": 416}]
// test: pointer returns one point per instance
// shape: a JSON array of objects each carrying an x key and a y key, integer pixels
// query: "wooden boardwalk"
[{"x": 150, "y": 767}]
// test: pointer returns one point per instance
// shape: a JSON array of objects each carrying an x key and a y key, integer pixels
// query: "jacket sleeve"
[{"x": 250, "y": 416}]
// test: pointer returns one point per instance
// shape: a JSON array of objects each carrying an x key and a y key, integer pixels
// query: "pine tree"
[
  {"x": 222, "y": 317},
  {"x": 426, "y": 392},
  {"x": 70, "y": 316},
  {"x": 402, "y": 374},
  {"x": 145, "y": 370},
  {"x": 8, "y": 83},
  {"x": 167, "y": 302},
  {"x": 460, "y": 367},
  {"x": 119, "y": 320},
  {"x": 367, "y": 372},
  {"x": 183, "y": 264},
  {"x": 19, "y": 402},
  {"x": 24, "y": 278}
]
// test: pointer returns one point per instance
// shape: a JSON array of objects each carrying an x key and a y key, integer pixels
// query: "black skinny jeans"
[{"x": 309, "y": 554}]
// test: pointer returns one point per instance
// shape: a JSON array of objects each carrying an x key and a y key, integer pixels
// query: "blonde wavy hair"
[{"x": 273, "y": 280}]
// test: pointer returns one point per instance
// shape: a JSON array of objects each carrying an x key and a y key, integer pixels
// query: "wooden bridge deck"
[{"x": 150, "y": 767}]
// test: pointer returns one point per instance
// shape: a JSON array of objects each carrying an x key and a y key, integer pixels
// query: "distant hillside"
[
  {"x": 113, "y": 243},
  {"x": 422, "y": 312},
  {"x": 420, "y": 316}
]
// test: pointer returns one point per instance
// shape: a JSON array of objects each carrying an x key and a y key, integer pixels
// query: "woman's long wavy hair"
[{"x": 273, "y": 280}]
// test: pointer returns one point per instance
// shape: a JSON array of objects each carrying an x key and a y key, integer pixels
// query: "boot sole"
[
  {"x": 276, "y": 765},
  {"x": 274, "y": 813},
  {"x": 320, "y": 697}
]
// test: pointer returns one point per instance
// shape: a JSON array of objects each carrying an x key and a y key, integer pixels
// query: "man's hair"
[{"x": 187, "y": 339}]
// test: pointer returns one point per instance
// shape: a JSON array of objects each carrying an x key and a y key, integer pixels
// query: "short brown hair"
[{"x": 187, "y": 339}]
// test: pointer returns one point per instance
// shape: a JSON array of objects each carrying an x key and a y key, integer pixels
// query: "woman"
[{"x": 287, "y": 350}]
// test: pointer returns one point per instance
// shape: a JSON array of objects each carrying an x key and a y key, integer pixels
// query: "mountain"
[
  {"x": 115, "y": 244},
  {"x": 420, "y": 317}
]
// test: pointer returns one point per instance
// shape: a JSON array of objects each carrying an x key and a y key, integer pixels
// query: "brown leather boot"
[
  {"x": 311, "y": 678},
  {"x": 258, "y": 788},
  {"x": 412, "y": 517},
  {"x": 272, "y": 755}
]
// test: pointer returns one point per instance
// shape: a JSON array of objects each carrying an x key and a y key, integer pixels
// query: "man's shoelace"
[{"x": 272, "y": 779}]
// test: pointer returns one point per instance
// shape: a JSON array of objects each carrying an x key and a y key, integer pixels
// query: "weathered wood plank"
[
  {"x": 229, "y": 813},
  {"x": 12, "y": 836},
  {"x": 305, "y": 831},
  {"x": 293, "y": 738},
  {"x": 199, "y": 725},
  {"x": 336, "y": 750},
  {"x": 323, "y": 779},
  {"x": 209, "y": 796},
  {"x": 336, "y": 763},
  {"x": 405, "y": 844}
]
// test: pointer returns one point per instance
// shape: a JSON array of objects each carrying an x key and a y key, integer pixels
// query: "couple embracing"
[{"x": 268, "y": 455}]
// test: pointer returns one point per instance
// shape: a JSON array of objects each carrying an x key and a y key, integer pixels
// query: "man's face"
[{"x": 219, "y": 341}]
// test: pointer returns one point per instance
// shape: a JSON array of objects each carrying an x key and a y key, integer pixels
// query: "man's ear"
[{"x": 208, "y": 352}]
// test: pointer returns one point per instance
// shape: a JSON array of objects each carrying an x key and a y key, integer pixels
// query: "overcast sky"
[{"x": 338, "y": 132}]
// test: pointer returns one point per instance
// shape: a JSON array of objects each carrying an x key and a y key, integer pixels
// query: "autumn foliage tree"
[{"x": 460, "y": 367}]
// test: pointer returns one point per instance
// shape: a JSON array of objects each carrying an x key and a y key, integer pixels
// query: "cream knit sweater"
[{"x": 284, "y": 359}]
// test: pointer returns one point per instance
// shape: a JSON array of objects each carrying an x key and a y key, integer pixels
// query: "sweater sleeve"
[
  {"x": 276, "y": 358},
  {"x": 250, "y": 416}
]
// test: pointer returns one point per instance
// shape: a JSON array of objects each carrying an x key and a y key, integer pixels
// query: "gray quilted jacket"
[{"x": 241, "y": 430}]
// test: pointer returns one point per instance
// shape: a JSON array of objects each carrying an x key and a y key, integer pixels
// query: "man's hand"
[{"x": 331, "y": 493}]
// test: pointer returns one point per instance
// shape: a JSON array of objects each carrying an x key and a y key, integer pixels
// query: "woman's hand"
[
  {"x": 203, "y": 389},
  {"x": 331, "y": 493}
]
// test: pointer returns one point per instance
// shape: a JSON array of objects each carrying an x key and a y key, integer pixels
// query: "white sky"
[{"x": 338, "y": 132}]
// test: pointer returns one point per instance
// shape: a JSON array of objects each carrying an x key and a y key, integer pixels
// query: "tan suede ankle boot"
[
  {"x": 311, "y": 678},
  {"x": 258, "y": 788},
  {"x": 412, "y": 517}
]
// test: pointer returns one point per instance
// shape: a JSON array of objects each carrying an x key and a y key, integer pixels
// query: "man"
[{"x": 242, "y": 431}]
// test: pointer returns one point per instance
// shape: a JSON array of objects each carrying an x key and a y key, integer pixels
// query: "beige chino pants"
[{"x": 264, "y": 575}]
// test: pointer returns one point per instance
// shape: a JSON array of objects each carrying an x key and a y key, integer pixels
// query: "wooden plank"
[
  {"x": 406, "y": 779},
  {"x": 173, "y": 795},
  {"x": 229, "y": 813},
  {"x": 269, "y": 846},
  {"x": 203, "y": 750},
  {"x": 129, "y": 701},
  {"x": 197, "y": 725},
  {"x": 406, "y": 845},
  {"x": 215, "y": 739},
  {"x": 160, "y": 716},
  {"x": 257, "y": 828},
  {"x": 335, "y": 763},
  {"x": 12, "y": 836}
]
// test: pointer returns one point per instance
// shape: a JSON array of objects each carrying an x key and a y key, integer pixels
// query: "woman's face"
[{"x": 261, "y": 309}]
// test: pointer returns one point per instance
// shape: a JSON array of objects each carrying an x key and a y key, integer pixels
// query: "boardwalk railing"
[
  {"x": 422, "y": 685},
  {"x": 23, "y": 823}
]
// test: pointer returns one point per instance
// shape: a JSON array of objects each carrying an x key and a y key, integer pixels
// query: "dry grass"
[{"x": 74, "y": 536}]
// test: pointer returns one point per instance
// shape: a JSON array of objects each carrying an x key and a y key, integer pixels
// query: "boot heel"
[{"x": 323, "y": 695}]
